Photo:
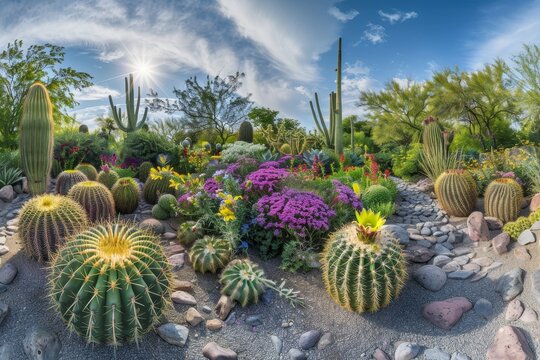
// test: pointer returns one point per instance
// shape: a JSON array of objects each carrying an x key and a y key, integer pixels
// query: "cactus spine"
[
  {"x": 210, "y": 254},
  {"x": 132, "y": 109},
  {"x": 362, "y": 275},
  {"x": 126, "y": 195},
  {"x": 111, "y": 283},
  {"x": 333, "y": 137},
  {"x": 457, "y": 192},
  {"x": 108, "y": 178},
  {"x": 89, "y": 170},
  {"x": 95, "y": 198},
  {"x": 243, "y": 281},
  {"x": 245, "y": 133},
  {"x": 46, "y": 221},
  {"x": 503, "y": 198},
  {"x": 67, "y": 179},
  {"x": 37, "y": 139}
]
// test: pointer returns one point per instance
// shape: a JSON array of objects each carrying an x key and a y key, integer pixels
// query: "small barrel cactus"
[
  {"x": 157, "y": 184},
  {"x": 361, "y": 270},
  {"x": 95, "y": 198},
  {"x": 108, "y": 177},
  {"x": 89, "y": 170},
  {"x": 375, "y": 195},
  {"x": 83, "y": 129},
  {"x": 46, "y": 221},
  {"x": 160, "y": 213},
  {"x": 245, "y": 133},
  {"x": 66, "y": 179},
  {"x": 188, "y": 233},
  {"x": 111, "y": 283},
  {"x": 243, "y": 281},
  {"x": 534, "y": 216},
  {"x": 168, "y": 202},
  {"x": 126, "y": 195},
  {"x": 515, "y": 228},
  {"x": 210, "y": 254},
  {"x": 144, "y": 170},
  {"x": 457, "y": 192},
  {"x": 503, "y": 198},
  {"x": 285, "y": 149}
]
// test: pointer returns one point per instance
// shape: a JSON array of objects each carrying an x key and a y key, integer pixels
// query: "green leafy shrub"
[
  {"x": 406, "y": 163},
  {"x": 9, "y": 176},
  {"x": 146, "y": 145},
  {"x": 10, "y": 159},
  {"x": 91, "y": 146}
]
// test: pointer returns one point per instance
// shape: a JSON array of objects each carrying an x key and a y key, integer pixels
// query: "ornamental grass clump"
[{"x": 265, "y": 180}]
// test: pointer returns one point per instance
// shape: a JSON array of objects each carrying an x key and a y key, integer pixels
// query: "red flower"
[
  {"x": 341, "y": 158},
  {"x": 74, "y": 149},
  {"x": 386, "y": 173}
]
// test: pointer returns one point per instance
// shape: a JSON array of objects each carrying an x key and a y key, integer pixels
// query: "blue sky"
[{"x": 287, "y": 48}]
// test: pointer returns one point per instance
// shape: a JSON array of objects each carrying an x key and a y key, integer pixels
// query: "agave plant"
[
  {"x": 9, "y": 176},
  {"x": 314, "y": 155},
  {"x": 269, "y": 156}
]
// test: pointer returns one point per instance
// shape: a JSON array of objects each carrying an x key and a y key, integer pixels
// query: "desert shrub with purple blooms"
[
  {"x": 346, "y": 195},
  {"x": 242, "y": 167},
  {"x": 211, "y": 186},
  {"x": 265, "y": 180},
  {"x": 270, "y": 164}
]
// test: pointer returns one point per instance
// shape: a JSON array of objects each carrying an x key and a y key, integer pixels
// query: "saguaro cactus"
[
  {"x": 245, "y": 133},
  {"x": 37, "y": 139},
  {"x": 132, "y": 109}
]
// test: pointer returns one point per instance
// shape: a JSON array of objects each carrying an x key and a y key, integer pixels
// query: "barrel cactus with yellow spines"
[
  {"x": 95, "y": 198},
  {"x": 515, "y": 228},
  {"x": 36, "y": 138},
  {"x": 457, "y": 192},
  {"x": 210, "y": 254},
  {"x": 89, "y": 170},
  {"x": 503, "y": 198},
  {"x": 158, "y": 183},
  {"x": 361, "y": 270},
  {"x": 46, "y": 222},
  {"x": 66, "y": 179},
  {"x": 111, "y": 283},
  {"x": 126, "y": 194},
  {"x": 107, "y": 176}
]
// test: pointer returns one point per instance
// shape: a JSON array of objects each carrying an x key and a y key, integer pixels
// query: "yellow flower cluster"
[
  {"x": 227, "y": 206},
  {"x": 188, "y": 182},
  {"x": 157, "y": 173}
]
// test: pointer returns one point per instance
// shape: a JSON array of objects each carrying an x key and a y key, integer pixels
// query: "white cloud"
[
  {"x": 374, "y": 33},
  {"x": 358, "y": 68},
  {"x": 87, "y": 115},
  {"x": 341, "y": 16},
  {"x": 404, "y": 83},
  {"x": 95, "y": 92},
  {"x": 397, "y": 16},
  {"x": 109, "y": 56}
]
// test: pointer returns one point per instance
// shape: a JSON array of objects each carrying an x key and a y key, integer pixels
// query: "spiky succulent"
[
  {"x": 210, "y": 254},
  {"x": 126, "y": 195},
  {"x": 160, "y": 213},
  {"x": 144, "y": 170},
  {"x": 376, "y": 195},
  {"x": 111, "y": 283},
  {"x": 188, "y": 232},
  {"x": 515, "y": 228},
  {"x": 168, "y": 202},
  {"x": 108, "y": 177},
  {"x": 362, "y": 272},
  {"x": 46, "y": 221},
  {"x": 89, "y": 170},
  {"x": 66, "y": 179},
  {"x": 158, "y": 183},
  {"x": 457, "y": 192},
  {"x": 95, "y": 198},
  {"x": 503, "y": 198},
  {"x": 534, "y": 216}
]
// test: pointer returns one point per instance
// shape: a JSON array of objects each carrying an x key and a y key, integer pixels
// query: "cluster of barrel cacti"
[
  {"x": 66, "y": 179},
  {"x": 165, "y": 208},
  {"x": 210, "y": 254},
  {"x": 503, "y": 198},
  {"x": 95, "y": 198},
  {"x": 457, "y": 192},
  {"x": 108, "y": 177},
  {"x": 89, "y": 170},
  {"x": 126, "y": 195}
]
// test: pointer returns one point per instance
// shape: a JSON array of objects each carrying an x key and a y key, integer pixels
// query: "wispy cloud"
[
  {"x": 95, "y": 92},
  {"x": 374, "y": 33},
  {"x": 396, "y": 16},
  {"x": 109, "y": 56},
  {"x": 342, "y": 16}
]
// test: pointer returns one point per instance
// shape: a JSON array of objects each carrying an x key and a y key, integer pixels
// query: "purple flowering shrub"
[
  {"x": 270, "y": 164},
  {"x": 242, "y": 167},
  {"x": 265, "y": 180},
  {"x": 211, "y": 186},
  {"x": 346, "y": 196}
]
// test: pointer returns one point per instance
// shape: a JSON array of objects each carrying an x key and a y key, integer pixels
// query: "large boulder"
[{"x": 509, "y": 344}]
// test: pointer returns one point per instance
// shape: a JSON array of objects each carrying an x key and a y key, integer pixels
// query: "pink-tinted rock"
[
  {"x": 494, "y": 223},
  {"x": 500, "y": 243},
  {"x": 477, "y": 227},
  {"x": 378, "y": 354},
  {"x": 213, "y": 351},
  {"x": 513, "y": 310},
  {"x": 509, "y": 344},
  {"x": 535, "y": 203},
  {"x": 522, "y": 254},
  {"x": 446, "y": 313}
]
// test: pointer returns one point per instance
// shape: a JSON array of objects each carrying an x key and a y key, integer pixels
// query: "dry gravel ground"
[{"x": 356, "y": 335}]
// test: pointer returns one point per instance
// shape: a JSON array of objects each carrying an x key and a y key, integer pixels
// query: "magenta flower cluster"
[
  {"x": 346, "y": 195},
  {"x": 241, "y": 167},
  {"x": 293, "y": 211},
  {"x": 265, "y": 180},
  {"x": 211, "y": 186},
  {"x": 270, "y": 164}
]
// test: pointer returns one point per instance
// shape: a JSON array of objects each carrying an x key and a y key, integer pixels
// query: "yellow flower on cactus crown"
[
  {"x": 173, "y": 183},
  {"x": 155, "y": 174},
  {"x": 369, "y": 223}
]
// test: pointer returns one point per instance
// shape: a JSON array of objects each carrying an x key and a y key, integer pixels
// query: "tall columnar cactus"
[
  {"x": 457, "y": 192},
  {"x": 66, "y": 179},
  {"x": 126, "y": 194},
  {"x": 245, "y": 133},
  {"x": 132, "y": 109},
  {"x": 46, "y": 221},
  {"x": 111, "y": 283},
  {"x": 36, "y": 138},
  {"x": 158, "y": 184},
  {"x": 436, "y": 156},
  {"x": 95, "y": 198},
  {"x": 362, "y": 271},
  {"x": 210, "y": 254},
  {"x": 144, "y": 170},
  {"x": 108, "y": 177},
  {"x": 89, "y": 170},
  {"x": 333, "y": 136},
  {"x": 503, "y": 198}
]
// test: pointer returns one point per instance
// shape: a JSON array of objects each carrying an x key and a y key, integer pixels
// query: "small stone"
[
  {"x": 436, "y": 354},
  {"x": 493, "y": 223},
  {"x": 3, "y": 250},
  {"x": 278, "y": 344},
  {"x": 7, "y": 273},
  {"x": 378, "y": 354},
  {"x": 193, "y": 317},
  {"x": 224, "y": 307},
  {"x": 459, "y": 356},
  {"x": 175, "y": 249},
  {"x": 295, "y": 354},
  {"x": 477, "y": 227},
  {"x": 182, "y": 285},
  {"x": 451, "y": 267},
  {"x": 206, "y": 309},
  {"x": 326, "y": 340},
  {"x": 7, "y": 194},
  {"x": 441, "y": 260},
  {"x": 529, "y": 316},
  {"x": 460, "y": 275},
  {"x": 213, "y": 351},
  {"x": 471, "y": 267},
  {"x": 396, "y": 232},
  {"x": 419, "y": 254},
  {"x": 425, "y": 231},
  {"x": 535, "y": 203},
  {"x": 510, "y": 284},
  {"x": 173, "y": 334},
  {"x": 214, "y": 324},
  {"x": 406, "y": 351},
  {"x": 445, "y": 314},
  {"x": 254, "y": 320},
  {"x": 483, "y": 308},
  {"x": 40, "y": 343},
  {"x": 462, "y": 250},
  {"x": 500, "y": 243},
  {"x": 483, "y": 261},
  {"x": 231, "y": 319},
  {"x": 509, "y": 343},
  {"x": 478, "y": 276},
  {"x": 169, "y": 235},
  {"x": 430, "y": 277},
  {"x": 177, "y": 261},
  {"x": 462, "y": 260},
  {"x": 442, "y": 250},
  {"x": 526, "y": 237},
  {"x": 513, "y": 310},
  {"x": 182, "y": 297},
  {"x": 309, "y": 339}
]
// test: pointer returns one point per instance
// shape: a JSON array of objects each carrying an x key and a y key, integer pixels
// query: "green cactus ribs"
[
  {"x": 457, "y": 192},
  {"x": 111, "y": 283},
  {"x": 126, "y": 195},
  {"x": 67, "y": 179},
  {"x": 503, "y": 199},
  {"x": 210, "y": 254}
]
